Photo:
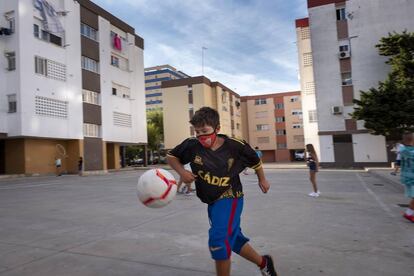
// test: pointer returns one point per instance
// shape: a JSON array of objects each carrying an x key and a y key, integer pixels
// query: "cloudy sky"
[{"x": 250, "y": 43}]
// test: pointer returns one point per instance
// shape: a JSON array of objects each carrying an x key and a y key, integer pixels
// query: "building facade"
[
  {"x": 76, "y": 91},
  {"x": 154, "y": 76},
  {"x": 182, "y": 97},
  {"x": 337, "y": 59},
  {"x": 273, "y": 123}
]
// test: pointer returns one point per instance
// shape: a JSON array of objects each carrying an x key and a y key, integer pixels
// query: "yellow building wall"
[
  {"x": 40, "y": 155},
  {"x": 254, "y": 134},
  {"x": 176, "y": 115},
  {"x": 293, "y": 119}
]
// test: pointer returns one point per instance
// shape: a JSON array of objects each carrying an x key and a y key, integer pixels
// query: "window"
[
  {"x": 294, "y": 99},
  {"x": 281, "y": 146},
  {"x": 298, "y": 138},
  {"x": 263, "y": 140},
  {"x": 280, "y": 132},
  {"x": 119, "y": 62},
  {"x": 279, "y": 106},
  {"x": 90, "y": 64},
  {"x": 190, "y": 96},
  {"x": 11, "y": 99},
  {"x": 307, "y": 59},
  {"x": 262, "y": 127},
  {"x": 296, "y": 125},
  {"x": 260, "y": 101},
  {"x": 346, "y": 78},
  {"x": 115, "y": 61},
  {"x": 11, "y": 60},
  {"x": 280, "y": 119},
  {"x": 90, "y": 97},
  {"x": 261, "y": 114},
  {"x": 191, "y": 113},
  {"x": 89, "y": 32},
  {"x": 237, "y": 126},
  {"x": 36, "y": 30},
  {"x": 296, "y": 112},
  {"x": 340, "y": 14},
  {"x": 310, "y": 88},
  {"x": 40, "y": 66},
  {"x": 312, "y": 116},
  {"x": 121, "y": 91},
  {"x": 304, "y": 33},
  {"x": 343, "y": 48},
  {"x": 91, "y": 130},
  {"x": 46, "y": 36}
]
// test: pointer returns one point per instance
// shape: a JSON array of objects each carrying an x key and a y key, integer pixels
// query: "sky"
[{"x": 251, "y": 44}]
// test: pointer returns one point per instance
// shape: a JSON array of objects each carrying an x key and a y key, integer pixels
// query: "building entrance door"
[{"x": 343, "y": 150}]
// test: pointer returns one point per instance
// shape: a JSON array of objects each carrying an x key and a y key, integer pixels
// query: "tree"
[
  {"x": 155, "y": 129},
  {"x": 389, "y": 109}
]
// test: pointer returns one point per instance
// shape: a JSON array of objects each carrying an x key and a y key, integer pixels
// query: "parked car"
[{"x": 299, "y": 155}]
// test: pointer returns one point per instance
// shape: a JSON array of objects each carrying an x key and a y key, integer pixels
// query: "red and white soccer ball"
[{"x": 156, "y": 188}]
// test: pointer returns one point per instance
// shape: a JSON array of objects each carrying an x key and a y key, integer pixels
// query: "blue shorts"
[
  {"x": 225, "y": 233},
  {"x": 312, "y": 166},
  {"x": 398, "y": 163}
]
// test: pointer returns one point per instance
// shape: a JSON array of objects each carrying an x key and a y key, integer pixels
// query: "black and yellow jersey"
[{"x": 217, "y": 170}]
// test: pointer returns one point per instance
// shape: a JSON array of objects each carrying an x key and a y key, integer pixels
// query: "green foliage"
[
  {"x": 155, "y": 129},
  {"x": 389, "y": 109}
]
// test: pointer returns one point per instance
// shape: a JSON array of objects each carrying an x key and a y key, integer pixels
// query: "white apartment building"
[
  {"x": 337, "y": 59},
  {"x": 71, "y": 85}
]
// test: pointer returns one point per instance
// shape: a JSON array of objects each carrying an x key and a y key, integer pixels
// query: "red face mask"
[{"x": 207, "y": 140}]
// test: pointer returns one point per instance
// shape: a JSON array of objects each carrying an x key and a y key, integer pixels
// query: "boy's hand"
[
  {"x": 264, "y": 186},
  {"x": 187, "y": 176}
]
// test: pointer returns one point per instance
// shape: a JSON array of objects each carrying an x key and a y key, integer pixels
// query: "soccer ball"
[{"x": 156, "y": 188}]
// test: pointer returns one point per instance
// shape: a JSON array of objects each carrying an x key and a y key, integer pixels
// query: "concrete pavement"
[{"x": 93, "y": 225}]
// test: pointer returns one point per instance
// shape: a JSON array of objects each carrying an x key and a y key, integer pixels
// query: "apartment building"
[
  {"x": 182, "y": 97},
  {"x": 154, "y": 76},
  {"x": 73, "y": 87},
  {"x": 337, "y": 59},
  {"x": 273, "y": 122}
]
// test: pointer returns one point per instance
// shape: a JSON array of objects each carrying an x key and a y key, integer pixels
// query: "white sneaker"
[
  {"x": 313, "y": 194},
  {"x": 319, "y": 193},
  {"x": 189, "y": 193}
]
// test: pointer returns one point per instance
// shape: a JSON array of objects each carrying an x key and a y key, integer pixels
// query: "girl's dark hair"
[
  {"x": 310, "y": 148},
  {"x": 206, "y": 116}
]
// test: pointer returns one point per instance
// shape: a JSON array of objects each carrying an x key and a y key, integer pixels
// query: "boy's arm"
[
  {"x": 174, "y": 162},
  {"x": 263, "y": 183}
]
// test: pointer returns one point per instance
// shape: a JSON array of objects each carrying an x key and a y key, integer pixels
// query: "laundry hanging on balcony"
[
  {"x": 117, "y": 42},
  {"x": 51, "y": 22}
]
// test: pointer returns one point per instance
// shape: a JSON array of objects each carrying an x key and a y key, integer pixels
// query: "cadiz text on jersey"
[{"x": 214, "y": 180}]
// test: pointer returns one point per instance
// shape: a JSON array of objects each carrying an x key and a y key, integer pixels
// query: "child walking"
[
  {"x": 313, "y": 164},
  {"x": 407, "y": 173},
  {"x": 216, "y": 161}
]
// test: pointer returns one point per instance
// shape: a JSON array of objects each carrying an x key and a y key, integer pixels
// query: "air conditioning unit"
[
  {"x": 344, "y": 54},
  {"x": 336, "y": 110}
]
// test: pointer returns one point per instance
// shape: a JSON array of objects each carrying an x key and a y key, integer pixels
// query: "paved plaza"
[{"x": 93, "y": 225}]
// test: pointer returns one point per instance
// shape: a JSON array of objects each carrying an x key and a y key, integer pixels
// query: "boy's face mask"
[{"x": 207, "y": 140}]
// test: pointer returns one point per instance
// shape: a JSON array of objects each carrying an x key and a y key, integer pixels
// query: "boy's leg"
[
  {"x": 223, "y": 267},
  {"x": 250, "y": 254}
]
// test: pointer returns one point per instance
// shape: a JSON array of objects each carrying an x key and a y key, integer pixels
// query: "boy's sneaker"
[
  {"x": 408, "y": 217},
  {"x": 189, "y": 193},
  {"x": 269, "y": 269},
  {"x": 393, "y": 173}
]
